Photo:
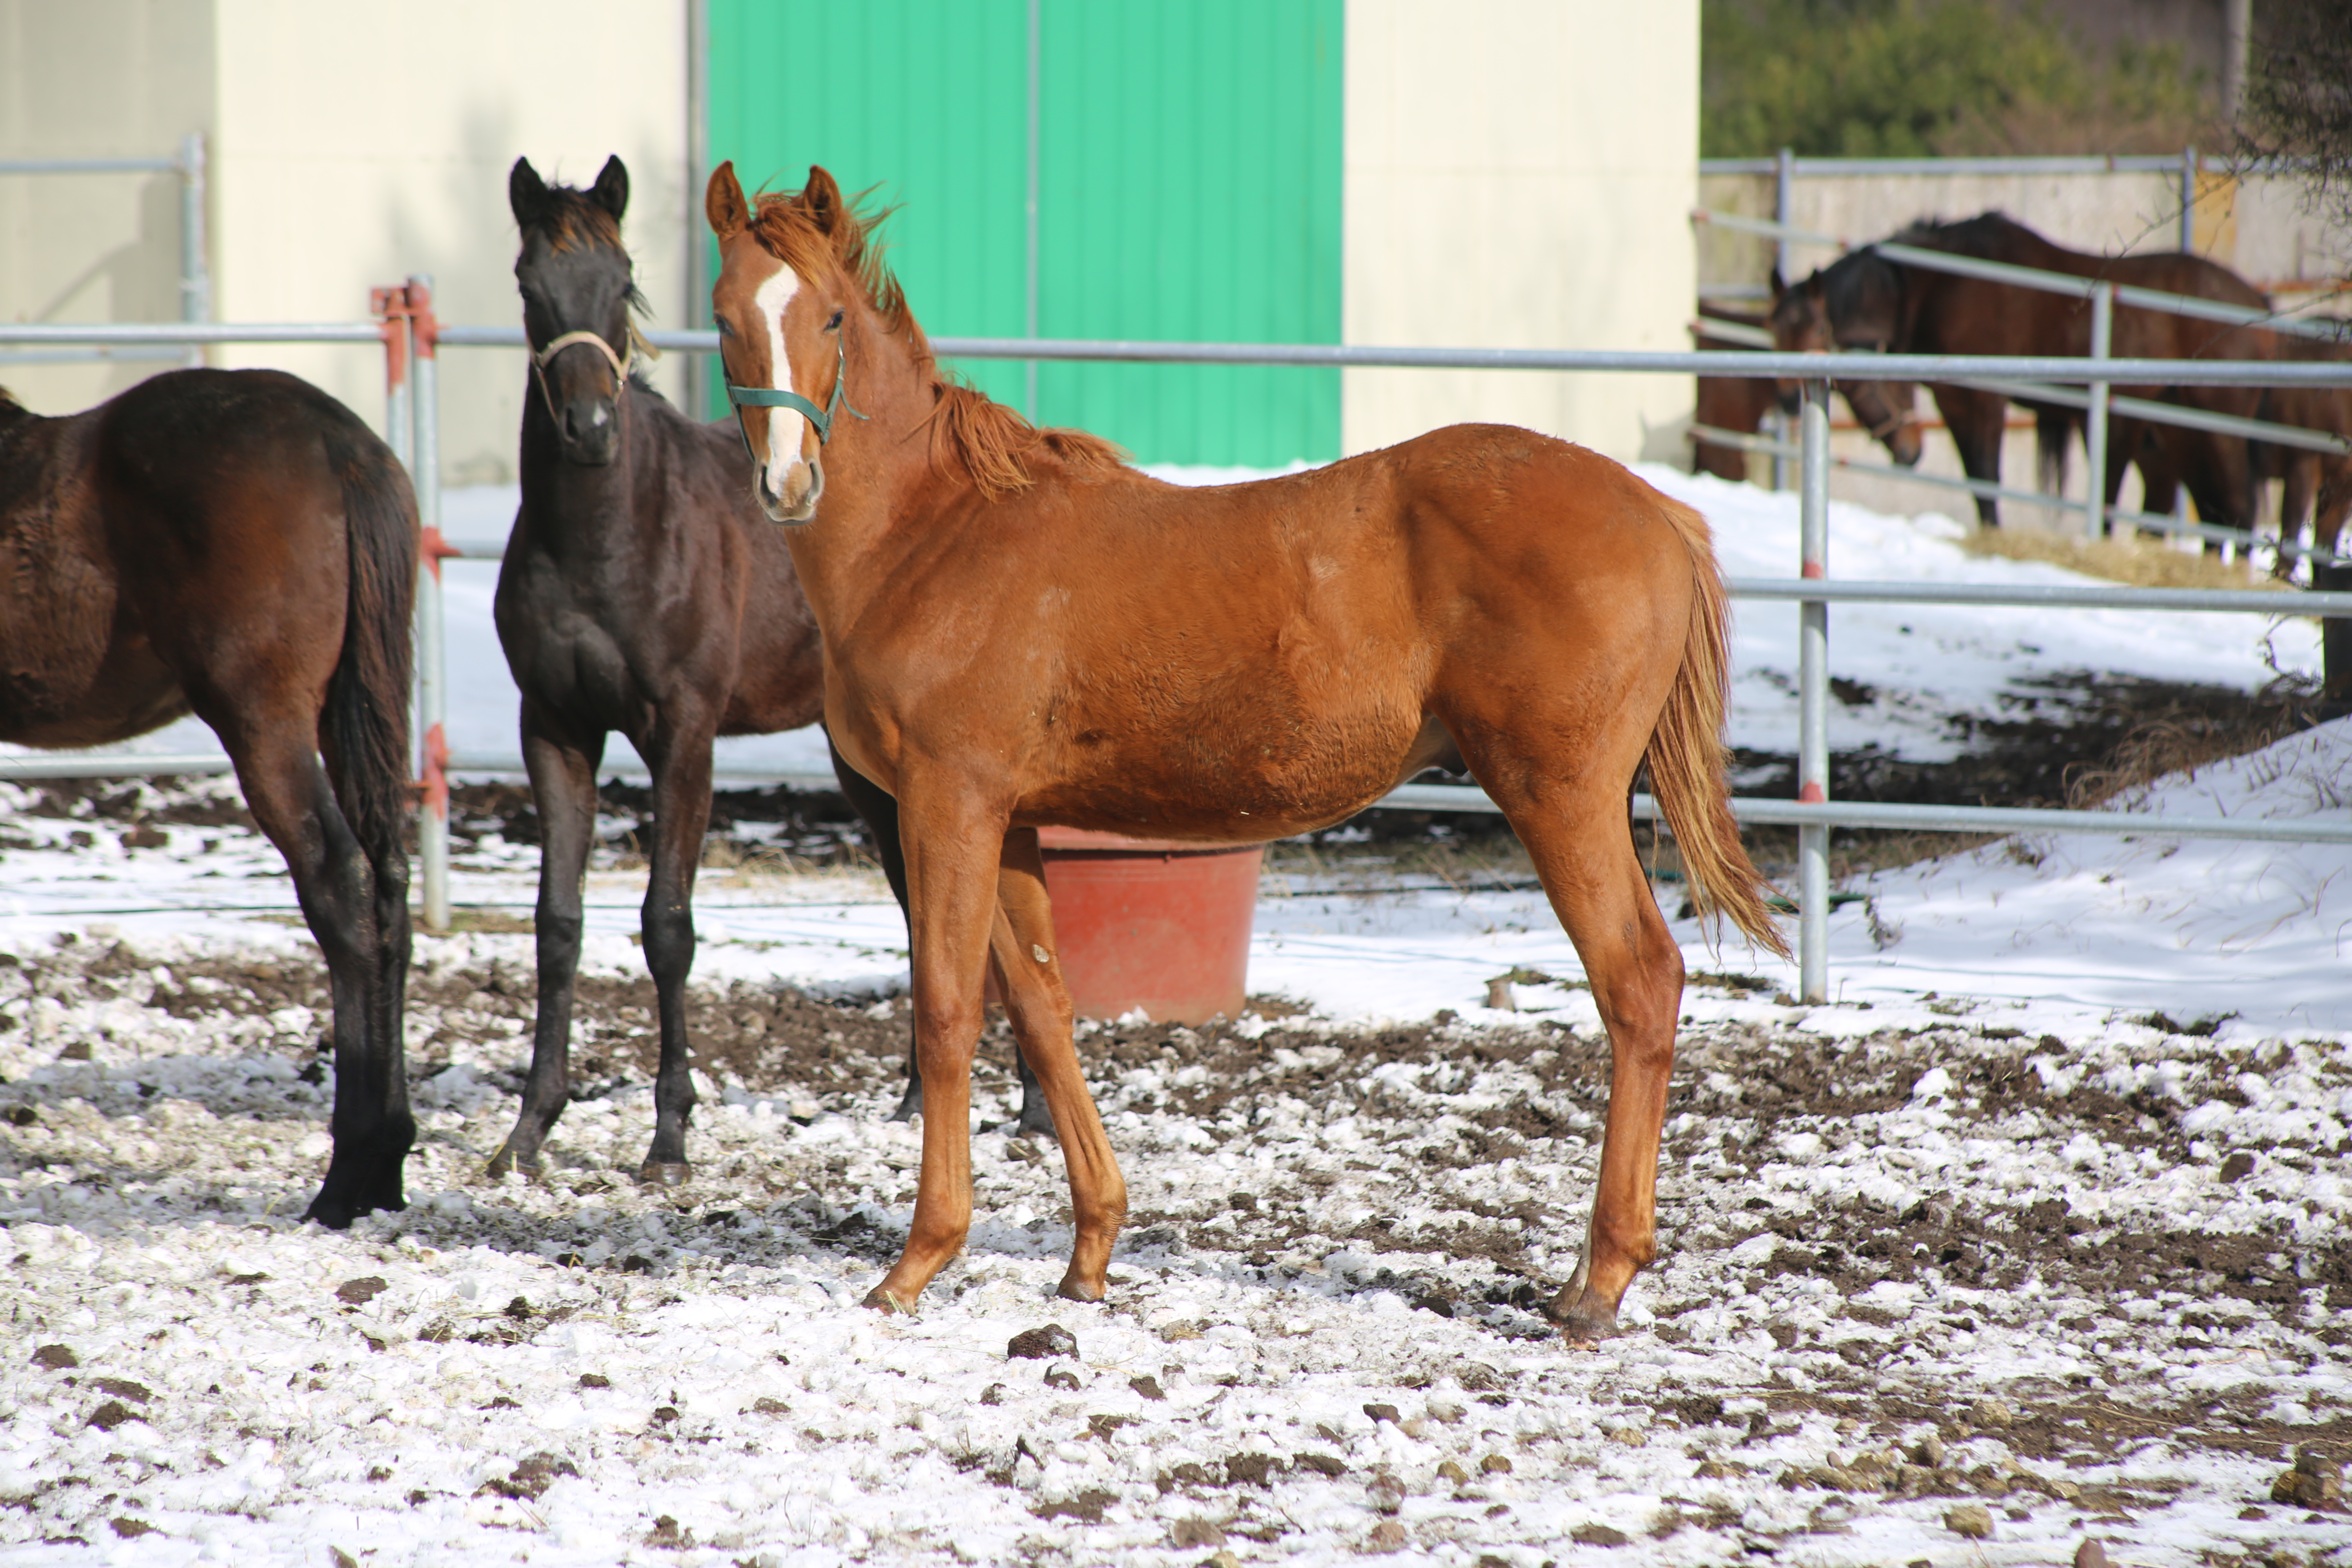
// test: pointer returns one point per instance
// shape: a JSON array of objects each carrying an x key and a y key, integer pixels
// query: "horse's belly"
[{"x": 1251, "y": 775}]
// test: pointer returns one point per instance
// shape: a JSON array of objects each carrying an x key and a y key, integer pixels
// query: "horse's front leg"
[
  {"x": 951, "y": 842},
  {"x": 1028, "y": 969},
  {"x": 563, "y": 768},
  {"x": 680, "y": 756}
]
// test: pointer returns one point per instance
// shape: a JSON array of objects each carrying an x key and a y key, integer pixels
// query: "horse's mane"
[
  {"x": 12, "y": 411},
  {"x": 995, "y": 444},
  {"x": 574, "y": 219}
]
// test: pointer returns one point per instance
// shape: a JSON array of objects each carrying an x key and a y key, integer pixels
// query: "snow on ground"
[{"x": 1994, "y": 1232}]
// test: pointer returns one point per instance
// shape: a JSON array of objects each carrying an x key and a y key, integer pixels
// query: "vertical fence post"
[
  {"x": 2188, "y": 201},
  {"x": 195, "y": 272},
  {"x": 2095, "y": 423},
  {"x": 1784, "y": 180},
  {"x": 432, "y": 654},
  {"x": 1813, "y": 697}
]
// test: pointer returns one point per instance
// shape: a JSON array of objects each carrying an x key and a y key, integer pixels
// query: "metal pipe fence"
[
  {"x": 410, "y": 334},
  {"x": 196, "y": 270}
]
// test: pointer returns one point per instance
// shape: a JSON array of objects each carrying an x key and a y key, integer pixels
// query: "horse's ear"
[
  {"x": 723, "y": 202},
  {"x": 526, "y": 192},
  {"x": 1779, "y": 285},
  {"x": 611, "y": 190},
  {"x": 821, "y": 199}
]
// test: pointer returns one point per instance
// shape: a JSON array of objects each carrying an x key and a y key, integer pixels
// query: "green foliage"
[{"x": 1887, "y": 79}]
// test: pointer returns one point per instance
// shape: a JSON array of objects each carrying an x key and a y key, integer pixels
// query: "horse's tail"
[
  {"x": 2053, "y": 431},
  {"x": 1686, "y": 753},
  {"x": 364, "y": 727}
]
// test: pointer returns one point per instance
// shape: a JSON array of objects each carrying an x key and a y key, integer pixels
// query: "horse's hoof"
[
  {"x": 882, "y": 1301},
  {"x": 665, "y": 1173},
  {"x": 506, "y": 1161},
  {"x": 909, "y": 1107},
  {"x": 1073, "y": 1288},
  {"x": 1036, "y": 1121},
  {"x": 1583, "y": 1322}
]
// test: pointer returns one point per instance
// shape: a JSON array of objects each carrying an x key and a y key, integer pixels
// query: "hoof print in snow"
[
  {"x": 595, "y": 1380},
  {"x": 55, "y": 1358},
  {"x": 1189, "y": 1533},
  {"x": 1387, "y": 1494},
  {"x": 123, "y": 1388},
  {"x": 1972, "y": 1520},
  {"x": 1386, "y": 1536},
  {"x": 766, "y": 1406},
  {"x": 2237, "y": 1167},
  {"x": 1452, "y": 1471},
  {"x": 1042, "y": 1344},
  {"x": 1599, "y": 1535},
  {"x": 110, "y": 1414},
  {"x": 1184, "y": 1475},
  {"x": 1380, "y": 1413},
  {"x": 1148, "y": 1387},
  {"x": 130, "y": 1529},
  {"x": 1062, "y": 1377},
  {"x": 1176, "y": 1333},
  {"x": 992, "y": 1394},
  {"x": 519, "y": 1309},
  {"x": 360, "y": 1292},
  {"x": 1494, "y": 1465},
  {"x": 1327, "y": 1465},
  {"x": 1087, "y": 1507},
  {"x": 665, "y": 1532}
]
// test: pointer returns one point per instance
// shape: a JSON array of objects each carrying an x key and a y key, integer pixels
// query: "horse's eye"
[{"x": 834, "y": 325}]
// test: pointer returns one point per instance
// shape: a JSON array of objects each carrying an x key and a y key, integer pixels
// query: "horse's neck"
[{"x": 574, "y": 506}]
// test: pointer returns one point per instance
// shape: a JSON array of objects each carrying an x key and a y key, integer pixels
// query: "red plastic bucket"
[{"x": 1152, "y": 923}]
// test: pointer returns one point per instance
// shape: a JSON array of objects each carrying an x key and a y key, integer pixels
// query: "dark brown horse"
[
  {"x": 239, "y": 544},
  {"x": 1019, "y": 630},
  {"x": 642, "y": 592},
  {"x": 1737, "y": 403},
  {"x": 1866, "y": 301}
]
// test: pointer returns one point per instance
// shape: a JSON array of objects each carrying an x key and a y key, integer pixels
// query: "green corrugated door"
[{"x": 1188, "y": 187}]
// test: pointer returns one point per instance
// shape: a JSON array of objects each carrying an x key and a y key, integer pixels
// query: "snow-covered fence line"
[{"x": 410, "y": 333}]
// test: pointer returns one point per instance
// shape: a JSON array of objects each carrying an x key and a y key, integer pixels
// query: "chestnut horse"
[
  {"x": 1020, "y": 630},
  {"x": 1866, "y": 301},
  {"x": 239, "y": 544},
  {"x": 642, "y": 592}
]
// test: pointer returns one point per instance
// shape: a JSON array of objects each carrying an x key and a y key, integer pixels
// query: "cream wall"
[
  {"x": 94, "y": 78},
  {"x": 356, "y": 143},
  {"x": 1519, "y": 174}
]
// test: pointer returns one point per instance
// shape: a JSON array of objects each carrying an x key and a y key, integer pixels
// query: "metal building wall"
[{"x": 1189, "y": 177}]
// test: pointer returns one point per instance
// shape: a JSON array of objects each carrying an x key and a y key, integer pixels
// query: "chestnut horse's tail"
[
  {"x": 1686, "y": 753},
  {"x": 364, "y": 727}
]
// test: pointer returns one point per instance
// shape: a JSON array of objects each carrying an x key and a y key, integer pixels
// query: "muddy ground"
[{"x": 2045, "y": 1286}]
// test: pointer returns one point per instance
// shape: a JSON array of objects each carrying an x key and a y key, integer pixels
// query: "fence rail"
[
  {"x": 196, "y": 269},
  {"x": 411, "y": 337}
]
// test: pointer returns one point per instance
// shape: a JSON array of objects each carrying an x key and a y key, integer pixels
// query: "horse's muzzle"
[{"x": 798, "y": 512}]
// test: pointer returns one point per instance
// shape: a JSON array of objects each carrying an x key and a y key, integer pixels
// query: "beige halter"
[{"x": 621, "y": 363}]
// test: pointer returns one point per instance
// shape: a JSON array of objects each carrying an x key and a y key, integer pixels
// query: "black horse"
[
  {"x": 239, "y": 544},
  {"x": 642, "y": 592}
]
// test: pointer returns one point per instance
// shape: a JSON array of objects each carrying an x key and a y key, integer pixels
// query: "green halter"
[{"x": 769, "y": 397}]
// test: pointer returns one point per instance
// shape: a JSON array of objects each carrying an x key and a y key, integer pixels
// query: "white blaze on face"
[{"x": 784, "y": 425}]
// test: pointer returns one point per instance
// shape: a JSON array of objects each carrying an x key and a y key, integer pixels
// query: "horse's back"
[{"x": 193, "y": 526}]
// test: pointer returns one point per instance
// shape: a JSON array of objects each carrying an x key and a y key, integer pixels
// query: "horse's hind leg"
[
  {"x": 680, "y": 756},
  {"x": 1575, "y": 831},
  {"x": 288, "y": 793},
  {"x": 562, "y": 770}
]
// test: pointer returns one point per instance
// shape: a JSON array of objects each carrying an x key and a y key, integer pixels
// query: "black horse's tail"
[
  {"x": 365, "y": 725},
  {"x": 2053, "y": 428}
]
